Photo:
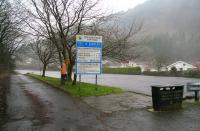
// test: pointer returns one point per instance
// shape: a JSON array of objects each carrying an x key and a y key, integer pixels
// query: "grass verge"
[
  {"x": 80, "y": 89},
  {"x": 191, "y": 104}
]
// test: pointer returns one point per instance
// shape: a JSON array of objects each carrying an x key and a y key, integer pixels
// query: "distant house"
[
  {"x": 124, "y": 64},
  {"x": 181, "y": 66},
  {"x": 111, "y": 64},
  {"x": 133, "y": 64}
]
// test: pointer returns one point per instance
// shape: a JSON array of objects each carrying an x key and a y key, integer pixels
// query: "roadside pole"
[
  {"x": 96, "y": 82},
  {"x": 195, "y": 86},
  {"x": 196, "y": 95},
  {"x": 79, "y": 82}
]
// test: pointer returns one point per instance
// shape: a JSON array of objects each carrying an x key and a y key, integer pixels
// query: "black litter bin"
[{"x": 167, "y": 97}]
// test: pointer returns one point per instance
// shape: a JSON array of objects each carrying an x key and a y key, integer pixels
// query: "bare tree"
[
  {"x": 10, "y": 35},
  {"x": 118, "y": 41},
  {"x": 60, "y": 21},
  {"x": 45, "y": 51}
]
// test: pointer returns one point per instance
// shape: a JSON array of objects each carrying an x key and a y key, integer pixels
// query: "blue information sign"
[{"x": 88, "y": 54}]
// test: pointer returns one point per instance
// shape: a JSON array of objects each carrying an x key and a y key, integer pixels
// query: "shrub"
[
  {"x": 192, "y": 73},
  {"x": 189, "y": 73},
  {"x": 173, "y": 70}
]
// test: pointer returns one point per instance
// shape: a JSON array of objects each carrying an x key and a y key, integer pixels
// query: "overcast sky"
[{"x": 121, "y": 5}]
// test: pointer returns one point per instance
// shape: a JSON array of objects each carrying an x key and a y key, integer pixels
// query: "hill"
[
  {"x": 161, "y": 16},
  {"x": 172, "y": 27}
]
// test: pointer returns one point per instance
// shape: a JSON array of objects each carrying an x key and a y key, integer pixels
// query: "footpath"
[
  {"x": 33, "y": 105},
  {"x": 119, "y": 102},
  {"x": 133, "y": 112}
]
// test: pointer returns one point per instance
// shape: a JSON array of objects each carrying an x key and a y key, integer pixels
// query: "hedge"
[
  {"x": 189, "y": 73},
  {"x": 129, "y": 70}
]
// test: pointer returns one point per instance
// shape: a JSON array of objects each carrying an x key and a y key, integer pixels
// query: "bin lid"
[
  {"x": 194, "y": 84},
  {"x": 166, "y": 86}
]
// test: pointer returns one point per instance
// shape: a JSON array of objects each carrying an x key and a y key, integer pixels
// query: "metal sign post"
[
  {"x": 194, "y": 87},
  {"x": 89, "y": 55},
  {"x": 196, "y": 95},
  {"x": 96, "y": 82},
  {"x": 79, "y": 82}
]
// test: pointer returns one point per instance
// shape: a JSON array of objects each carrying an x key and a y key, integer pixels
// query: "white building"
[
  {"x": 133, "y": 64},
  {"x": 124, "y": 64},
  {"x": 181, "y": 66}
]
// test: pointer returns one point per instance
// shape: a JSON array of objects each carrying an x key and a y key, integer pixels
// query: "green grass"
[
  {"x": 191, "y": 104},
  {"x": 80, "y": 89}
]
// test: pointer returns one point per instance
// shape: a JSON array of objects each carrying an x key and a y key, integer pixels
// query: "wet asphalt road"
[
  {"x": 136, "y": 83},
  {"x": 36, "y": 106}
]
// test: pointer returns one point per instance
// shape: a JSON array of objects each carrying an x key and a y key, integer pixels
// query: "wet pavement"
[
  {"x": 135, "y": 83},
  {"x": 119, "y": 102},
  {"x": 36, "y": 106}
]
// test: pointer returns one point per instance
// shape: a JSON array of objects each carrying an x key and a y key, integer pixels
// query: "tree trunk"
[
  {"x": 69, "y": 72},
  {"x": 74, "y": 80},
  {"x": 44, "y": 70},
  {"x": 70, "y": 67}
]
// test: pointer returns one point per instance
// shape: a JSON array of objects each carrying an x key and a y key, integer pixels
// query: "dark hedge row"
[
  {"x": 189, "y": 73},
  {"x": 129, "y": 71},
  {"x": 137, "y": 71}
]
